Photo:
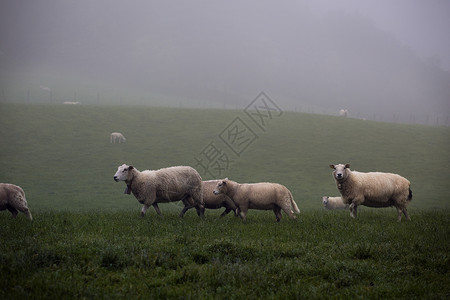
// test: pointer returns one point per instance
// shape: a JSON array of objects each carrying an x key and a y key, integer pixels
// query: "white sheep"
[
  {"x": 373, "y": 189},
  {"x": 117, "y": 137},
  {"x": 162, "y": 186},
  {"x": 12, "y": 198},
  {"x": 343, "y": 113},
  {"x": 263, "y": 195},
  {"x": 71, "y": 103},
  {"x": 334, "y": 203},
  {"x": 213, "y": 201}
]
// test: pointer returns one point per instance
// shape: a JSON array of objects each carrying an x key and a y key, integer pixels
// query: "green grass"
[
  {"x": 88, "y": 241},
  {"x": 62, "y": 157},
  {"x": 320, "y": 255}
]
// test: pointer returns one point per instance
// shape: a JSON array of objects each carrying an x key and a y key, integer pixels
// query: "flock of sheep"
[{"x": 183, "y": 183}]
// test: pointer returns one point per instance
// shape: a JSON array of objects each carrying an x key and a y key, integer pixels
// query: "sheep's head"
[
  {"x": 325, "y": 200},
  {"x": 123, "y": 173},
  {"x": 220, "y": 187},
  {"x": 340, "y": 172}
]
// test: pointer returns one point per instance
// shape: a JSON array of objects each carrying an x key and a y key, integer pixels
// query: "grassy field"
[
  {"x": 320, "y": 255},
  {"x": 88, "y": 241},
  {"x": 62, "y": 157}
]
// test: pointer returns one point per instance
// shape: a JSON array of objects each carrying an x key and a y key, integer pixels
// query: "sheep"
[
  {"x": 263, "y": 196},
  {"x": 334, "y": 203},
  {"x": 343, "y": 113},
  {"x": 373, "y": 189},
  {"x": 72, "y": 102},
  {"x": 12, "y": 198},
  {"x": 213, "y": 201},
  {"x": 117, "y": 136},
  {"x": 162, "y": 186}
]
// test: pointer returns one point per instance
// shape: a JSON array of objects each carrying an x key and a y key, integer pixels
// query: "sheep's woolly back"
[
  {"x": 168, "y": 184},
  {"x": 12, "y": 197},
  {"x": 334, "y": 203}
]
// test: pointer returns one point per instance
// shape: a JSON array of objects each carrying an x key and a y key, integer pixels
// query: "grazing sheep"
[
  {"x": 334, "y": 203},
  {"x": 12, "y": 198},
  {"x": 374, "y": 189},
  {"x": 162, "y": 186},
  {"x": 117, "y": 136},
  {"x": 263, "y": 195}
]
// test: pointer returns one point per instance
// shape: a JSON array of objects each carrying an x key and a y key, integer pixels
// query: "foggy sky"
[{"x": 372, "y": 57}]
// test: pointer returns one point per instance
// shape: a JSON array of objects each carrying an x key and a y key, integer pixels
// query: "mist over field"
[{"x": 378, "y": 59}]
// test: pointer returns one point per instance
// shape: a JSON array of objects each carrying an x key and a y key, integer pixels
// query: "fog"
[{"x": 384, "y": 60}]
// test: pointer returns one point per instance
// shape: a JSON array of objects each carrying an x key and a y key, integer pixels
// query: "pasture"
[{"x": 88, "y": 241}]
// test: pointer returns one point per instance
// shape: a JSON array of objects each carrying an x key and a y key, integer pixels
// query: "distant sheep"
[
  {"x": 162, "y": 186},
  {"x": 343, "y": 113},
  {"x": 374, "y": 189},
  {"x": 117, "y": 137},
  {"x": 12, "y": 198},
  {"x": 334, "y": 203},
  {"x": 264, "y": 196},
  {"x": 71, "y": 102}
]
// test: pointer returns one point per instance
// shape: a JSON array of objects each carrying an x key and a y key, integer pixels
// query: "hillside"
[{"x": 62, "y": 157}]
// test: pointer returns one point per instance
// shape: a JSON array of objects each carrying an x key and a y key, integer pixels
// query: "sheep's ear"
[
  {"x": 130, "y": 168},
  {"x": 332, "y": 166},
  {"x": 347, "y": 166}
]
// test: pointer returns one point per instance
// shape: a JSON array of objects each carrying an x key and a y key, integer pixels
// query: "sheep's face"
[
  {"x": 220, "y": 187},
  {"x": 123, "y": 173},
  {"x": 341, "y": 171},
  {"x": 325, "y": 200}
]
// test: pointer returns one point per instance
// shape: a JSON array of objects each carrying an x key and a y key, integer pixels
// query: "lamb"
[
  {"x": 117, "y": 136},
  {"x": 213, "y": 201},
  {"x": 263, "y": 196},
  {"x": 12, "y": 198},
  {"x": 373, "y": 189},
  {"x": 334, "y": 203},
  {"x": 162, "y": 186}
]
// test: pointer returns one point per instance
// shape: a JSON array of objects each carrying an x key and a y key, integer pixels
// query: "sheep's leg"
[
  {"x": 277, "y": 211},
  {"x": 401, "y": 210},
  {"x": 405, "y": 212},
  {"x": 144, "y": 209},
  {"x": 200, "y": 210},
  {"x": 399, "y": 214},
  {"x": 185, "y": 209},
  {"x": 188, "y": 202},
  {"x": 13, "y": 211},
  {"x": 243, "y": 212},
  {"x": 353, "y": 208},
  {"x": 225, "y": 212},
  {"x": 156, "y": 207},
  {"x": 237, "y": 212}
]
